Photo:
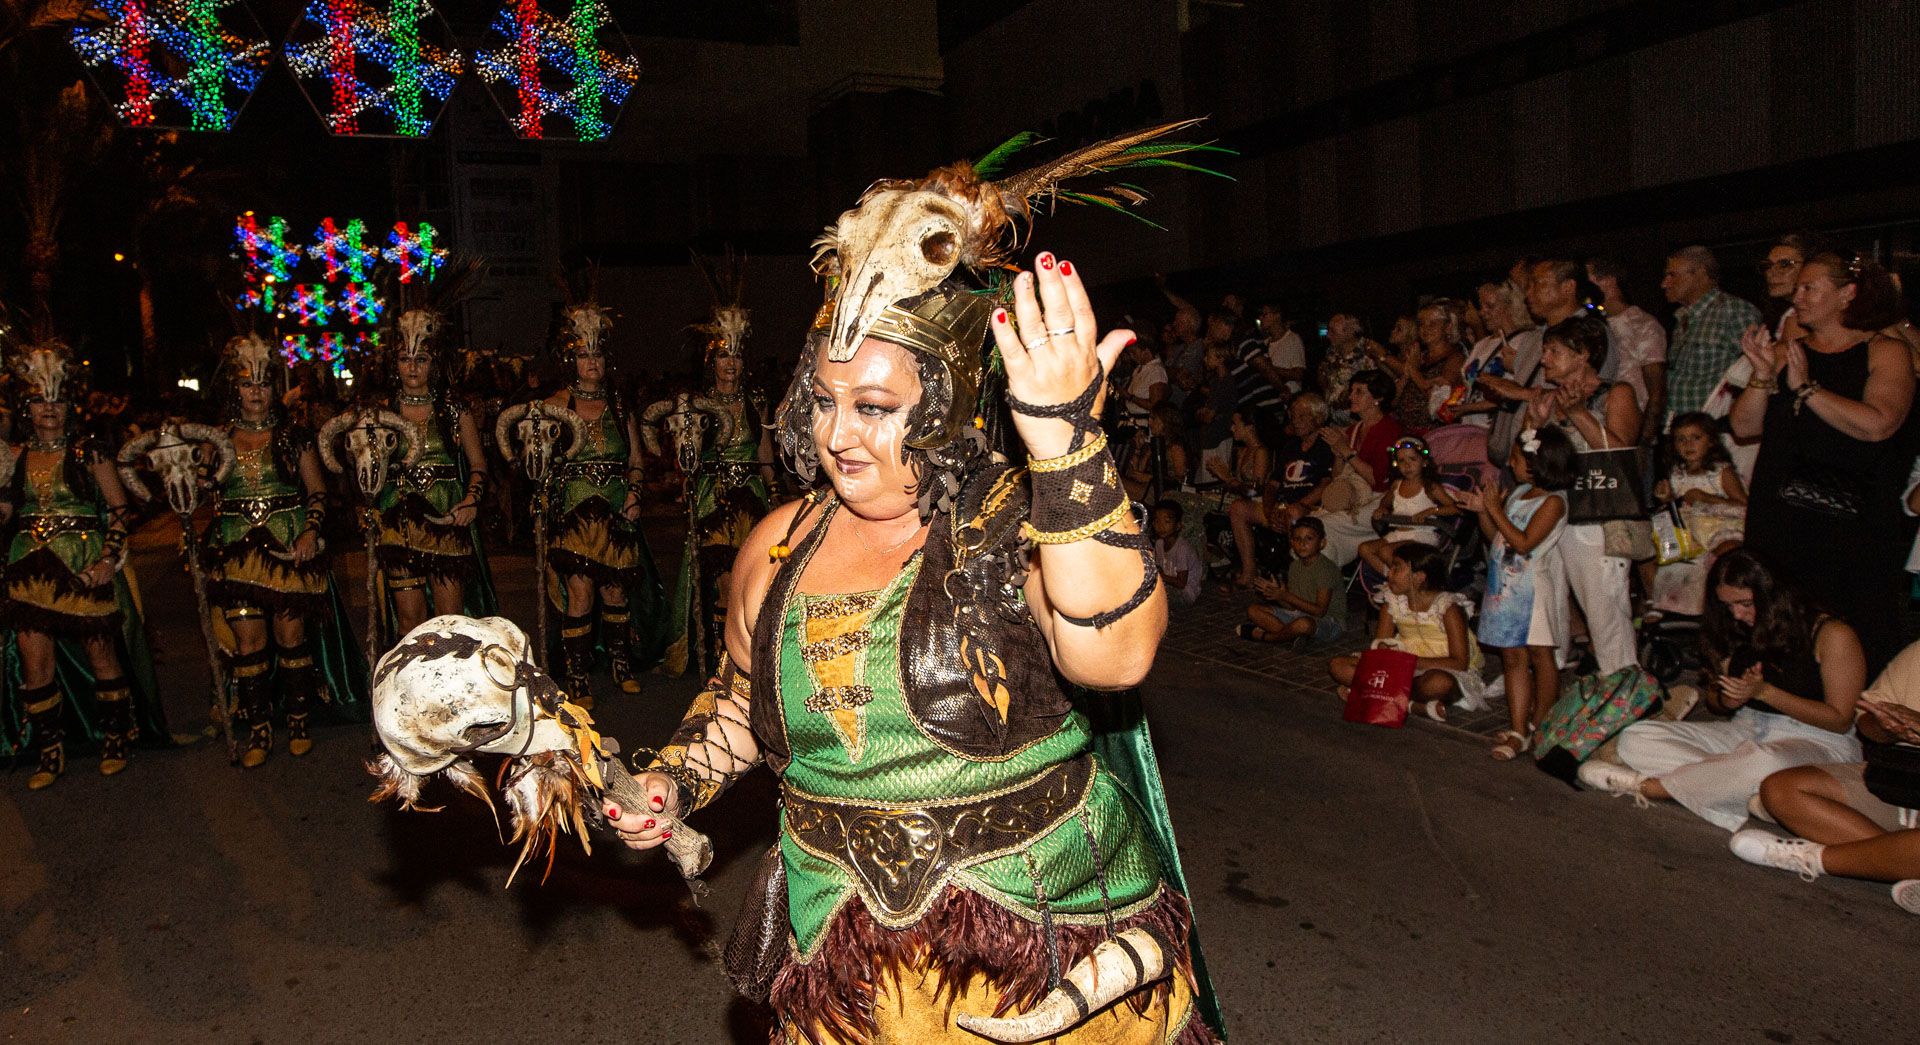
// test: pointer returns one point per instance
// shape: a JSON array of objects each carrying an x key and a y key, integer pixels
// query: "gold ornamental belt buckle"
[
  {"x": 901, "y": 854},
  {"x": 47, "y": 527}
]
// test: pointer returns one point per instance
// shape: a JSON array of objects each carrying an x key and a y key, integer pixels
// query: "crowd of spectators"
[{"x": 1446, "y": 480}]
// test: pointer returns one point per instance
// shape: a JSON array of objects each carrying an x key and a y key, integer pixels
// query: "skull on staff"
[
  {"x": 537, "y": 427},
  {"x": 173, "y": 452},
  {"x": 688, "y": 419},
  {"x": 374, "y": 437}
]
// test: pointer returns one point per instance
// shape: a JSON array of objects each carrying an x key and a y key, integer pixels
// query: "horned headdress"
[{"x": 727, "y": 330}]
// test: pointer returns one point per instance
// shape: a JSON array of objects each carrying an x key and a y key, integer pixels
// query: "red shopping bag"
[{"x": 1382, "y": 687}]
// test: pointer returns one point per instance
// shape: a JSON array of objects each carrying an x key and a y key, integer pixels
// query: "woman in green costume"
[
  {"x": 268, "y": 570},
  {"x": 429, "y": 547},
  {"x": 730, "y": 492},
  {"x": 598, "y": 555},
  {"x": 64, "y": 585},
  {"x": 956, "y": 861}
]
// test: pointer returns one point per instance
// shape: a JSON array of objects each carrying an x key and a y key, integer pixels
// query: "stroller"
[{"x": 1459, "y": 454}]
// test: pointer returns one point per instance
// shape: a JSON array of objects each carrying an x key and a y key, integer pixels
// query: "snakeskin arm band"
[
  {"x": 1075, "y": 496},
  {"x": 714, "y": 745}
]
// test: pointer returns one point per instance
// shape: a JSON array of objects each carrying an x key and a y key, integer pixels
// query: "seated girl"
[
  {"x": 1789, "y": 677},
  {"x": 1713, "y": 507},
  {"x": 1418, "y": 618},
  {"x": 1416, "y": 496},
  {"x": 1855, "y": 819}
]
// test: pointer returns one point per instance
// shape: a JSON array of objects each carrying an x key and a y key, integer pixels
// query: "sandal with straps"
[{"x": 1510, "y": 744}]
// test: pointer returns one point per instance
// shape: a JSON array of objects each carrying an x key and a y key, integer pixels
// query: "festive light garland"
[
  {"x": 343, "y": 250},
  {"x": 267, "y": 249},
  {"x": 174, "y": 63},
  {"x": 371, "y": 66},
  {"x": 414, "y": 252},
  {"x": 558, "y": 68},
  {"x": 363, "y": 303},
  {"x": 309, "y": 305}
]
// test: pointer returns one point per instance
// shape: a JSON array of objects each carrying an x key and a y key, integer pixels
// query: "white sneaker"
[
  {"x": 1788, "y": 854},
  {"x": 1907, "y": 895},
  {"x": 1611, "y": 778}
]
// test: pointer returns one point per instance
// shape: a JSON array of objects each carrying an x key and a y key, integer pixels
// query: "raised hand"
[
  {"x": 1052, "y": 351},
  {"x": 1761, "y": 350}
]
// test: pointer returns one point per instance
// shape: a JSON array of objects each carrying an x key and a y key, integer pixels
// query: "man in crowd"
[
  {"x": 1639, "y": 355},
  {"x": 1706, "y": 332},
  {"x": 1346, "y": 356},
  {"x": 1285, "y": 351}
]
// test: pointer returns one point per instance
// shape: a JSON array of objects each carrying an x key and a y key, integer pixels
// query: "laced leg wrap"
[
  {"x": 700, "y": 756},
  {"x": 116, "y": 717},
  {"x": 576, "y": 646},
  {"x": 42, "y": 705},
  {"x": 248, "y": 671},
  {"x": 296, "y": 679},
  {"x": 619, "y": 640}
]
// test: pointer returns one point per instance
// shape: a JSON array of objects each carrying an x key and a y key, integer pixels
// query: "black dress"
[{"x": 1825, "y": 507}]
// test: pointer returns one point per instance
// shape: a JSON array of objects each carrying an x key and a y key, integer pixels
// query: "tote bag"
[
  {"x": 1606, "y": 485},
  {"x": 1382, "y": 688}
]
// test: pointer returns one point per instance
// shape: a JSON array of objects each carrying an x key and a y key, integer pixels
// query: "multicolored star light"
[
  {"x": 373, "y": 69},
  {"x": 414, "y": 252},
  {"x": 267, "y": 250},
  {"x": 558, "y": 69},
  {"x": 189, "y": 64},
  {"x": 344, "y": 250}
]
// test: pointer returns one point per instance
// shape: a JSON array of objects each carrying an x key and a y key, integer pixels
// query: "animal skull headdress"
[
  {"x": 890, "y": 262},
  {"x": 43, "y": 371},
  {"x": 248, "y": 358},
  {"x": 731, "y": 323},
  {"x": 585, "y": 329},
  {"x": 416, "y": 327}
]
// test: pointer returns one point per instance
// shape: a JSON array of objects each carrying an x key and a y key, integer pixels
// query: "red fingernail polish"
[
  {"x": 646, "y": 825},
  {"x": 1046, "y": 261},
  {"x": 1130, "y": 342},
  {"x": 613, "y": 812},
  {"x": 1066, "y": 268},
  {"x": 658, "y": 802},
  {"x": 669, "y": 834},
  {"x": 999, "y": 315}
]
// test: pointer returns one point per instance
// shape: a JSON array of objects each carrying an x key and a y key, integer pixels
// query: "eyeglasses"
[{"x": 1776, "y": 265}]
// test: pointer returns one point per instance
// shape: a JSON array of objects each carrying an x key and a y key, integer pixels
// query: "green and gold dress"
[
  {"x": 727, "y": 498},
  {"x": 415, "y": 546},
  {"x": 60, "y": 528},
  {"x": 949, "y": 838},
  {"x": 260, "y": 512},
  {"x": 591, "y": 538}
]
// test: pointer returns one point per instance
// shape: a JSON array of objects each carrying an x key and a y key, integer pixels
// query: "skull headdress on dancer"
[
  {"x": 723, "y": 433},
  {"x": 595, "y": 505},
  {"x": 63, "y": 581}
]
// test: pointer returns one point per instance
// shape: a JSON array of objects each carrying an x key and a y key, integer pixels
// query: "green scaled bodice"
[
  {"x": 54, "y": 515},
  {"x": 878, "y": 812},
  {"x": 599, "y": 469},
  {"x": 437, "y": 474},
  {"x": 257, "y": 494}
]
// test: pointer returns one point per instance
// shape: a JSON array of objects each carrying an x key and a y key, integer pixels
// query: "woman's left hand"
[
  {"x": 1901, "y": 721},
  {"x": 98, "y": 572},
  {"x": 1744, "y": 687},
  {"x": 631, "y": 510},
  {"x": 306, "y": 546},
  {"x": 463, "y": 513},
  {"x": 1052, "y": 351}
]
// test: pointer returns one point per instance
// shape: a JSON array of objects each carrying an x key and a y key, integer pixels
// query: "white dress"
[{"x": 1408, "y": 506}]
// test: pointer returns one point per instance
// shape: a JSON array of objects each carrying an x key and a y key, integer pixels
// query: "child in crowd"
[
  {"x": 1180, "y": 566},
  {"x": 1713, "y": 507},
  {"x": 1524, "y": 614},
  {"x": 1415, "y": 497},
  {"x": 1430, "y": 624},
  {"x": 1310, "y": 603}
]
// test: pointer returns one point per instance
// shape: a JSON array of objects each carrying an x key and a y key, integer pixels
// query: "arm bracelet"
[
  {"x": 689, "y": 757},
  {"x": 1075, "y": 496}
]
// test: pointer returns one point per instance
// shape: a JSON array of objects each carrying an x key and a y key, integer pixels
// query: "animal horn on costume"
[
  {"x": 1116, "y": 968},
  {"x": 224, "y": 453},
  {"x": 722, "y": 420},
  {"x": 135, "y": 449},
  {"x": 650, "y": 425}
]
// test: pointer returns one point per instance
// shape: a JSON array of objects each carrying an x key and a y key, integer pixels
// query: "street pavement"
[{"x": 1352, "y": 884}]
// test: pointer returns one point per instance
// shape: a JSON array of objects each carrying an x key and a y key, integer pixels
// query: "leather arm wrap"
[{"x": 701, "y": 756}]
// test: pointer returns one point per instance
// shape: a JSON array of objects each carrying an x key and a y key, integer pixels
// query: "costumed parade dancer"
[
  {"x": 730, "y": 488},
  {"x": 598, "y": 556},
  {"x": 77, "y": 663},
  {"x": 951, "y": 850},
  {"x": 961, "y": 855},
  {"x": 270, "y": 571},
  {"x": 428, "y": 546}
]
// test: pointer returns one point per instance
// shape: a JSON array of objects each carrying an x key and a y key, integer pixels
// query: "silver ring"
[
  {"x": 1060, "y": 333},
  {"x": 1038, "y": 341}
]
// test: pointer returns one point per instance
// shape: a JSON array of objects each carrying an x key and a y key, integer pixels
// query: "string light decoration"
[
  {"x": 185, "y": 64},
  {"x": 414, "y": 252},
  {"x": 309, "y": 305},
  {"x": 363, "y": 303},
  {"x": 575, "y": 70},
  {"x": 267, "y": 250},
  {"x": 372, "y": 68},
  {"x": 345, "y": 250}
]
